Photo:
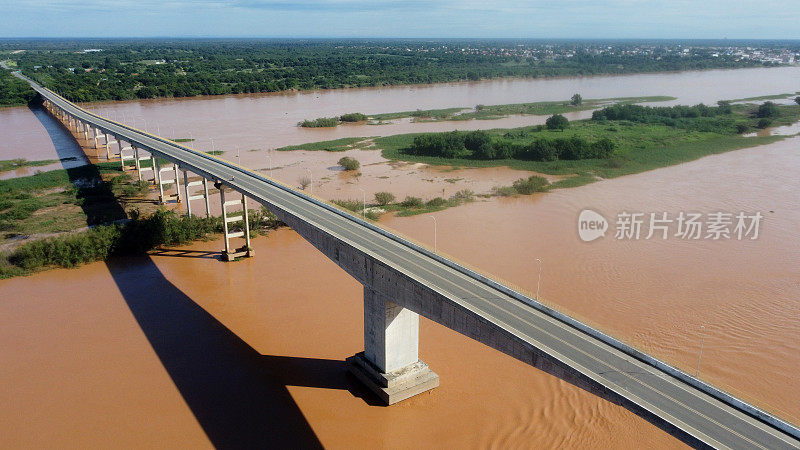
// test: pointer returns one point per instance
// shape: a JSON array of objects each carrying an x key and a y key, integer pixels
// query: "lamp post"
[
  {"x": 539, "y": 281},
  {"x": 364, "y": 204},
  {"x": 269, "y": 157},
  {"x": 700, "y": 356},
  {"x": 434, "y": 234}
]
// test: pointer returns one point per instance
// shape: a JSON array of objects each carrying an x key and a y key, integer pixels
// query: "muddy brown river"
[{"x": 179, "y": 349}]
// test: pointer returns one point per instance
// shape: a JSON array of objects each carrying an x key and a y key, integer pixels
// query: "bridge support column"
[
  {"x": 188, "y": 185},
  {"x": 123, "y": 158},
  {"x": 389, "y": 364},
  {"x": 177, "y": 183},
  {"x": 230, "y": 254}
]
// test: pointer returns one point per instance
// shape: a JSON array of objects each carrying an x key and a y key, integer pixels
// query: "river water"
[{"x": 180, "y": 349}]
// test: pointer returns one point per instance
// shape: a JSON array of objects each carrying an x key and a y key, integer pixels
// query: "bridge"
[{"x": 403, "y": 280}]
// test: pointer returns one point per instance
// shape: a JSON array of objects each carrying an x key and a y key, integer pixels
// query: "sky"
[{"x": 601, "y": 19}]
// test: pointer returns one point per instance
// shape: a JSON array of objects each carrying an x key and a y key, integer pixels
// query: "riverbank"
[{"x": 637, "y": 146}]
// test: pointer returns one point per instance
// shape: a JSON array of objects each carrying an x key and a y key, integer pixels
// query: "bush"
[
  {"x": 349, "y": 163},
  {"x": 353, "y": 117},
  {"x": 384, "y": 198},
  {"x": 530, "y": 185},
  {"x": 504, "y": 191},
  {"x": 436, "y": 202},
  {"x": 742, "y": 128},
  {"x": 576, "y": 100},
  {"x": 797, "y": 100},
  {"x": 464, "y": 195},
  {"x": 137, "y": 236},
  {"x": 321, "y": 122},
  {"x": 557, "y": 122},
  {"x": 350, "y": 205},
  {"x": 768, "y": 109},
  {"x": 412, "y": 202},
  {"x": 764, "y": 122},
  {"x": 445, "y": 145}
]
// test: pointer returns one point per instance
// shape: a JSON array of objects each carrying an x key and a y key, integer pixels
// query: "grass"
[
  {"x": 482, "y": 112},
  {"x": 215, "y": 152},
  {"x": 410, "y": 206},
  {"x": 336, "y": 145},
  {"x": 639, "y": 147},
  {"x": 765, "y": 97},
  {"x": 135, "y": 237},
  {"x": 182, "y": 140},
  {"x": 13, "y": 164},
  {"x": 64, "y": 200}
]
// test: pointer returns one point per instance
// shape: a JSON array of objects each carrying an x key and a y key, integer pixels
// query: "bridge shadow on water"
[{"x": 238, "y": 396}]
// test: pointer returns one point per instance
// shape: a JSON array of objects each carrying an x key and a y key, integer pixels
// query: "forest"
[{"x": 95, "y": 70}]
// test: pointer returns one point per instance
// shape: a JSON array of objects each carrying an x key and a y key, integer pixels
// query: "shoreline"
[{"x": 422, "y": 85}]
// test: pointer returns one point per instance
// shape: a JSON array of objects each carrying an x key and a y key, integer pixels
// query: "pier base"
[
  {"x": 394, "y": 386},
  {"x": 389, "y": 364}
]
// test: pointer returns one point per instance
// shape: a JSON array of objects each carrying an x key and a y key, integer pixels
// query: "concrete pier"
[
  {"x": 229, "y": 253},
  {"x": 389, "y": 364}
]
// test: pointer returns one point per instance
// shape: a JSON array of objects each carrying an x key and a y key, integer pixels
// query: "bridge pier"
[
  {"x": 131, "y": 157},
  {"x": 230, "y": 254},
  {"x": 189, "y": 197},
  {"x": 389, "y": 364}
]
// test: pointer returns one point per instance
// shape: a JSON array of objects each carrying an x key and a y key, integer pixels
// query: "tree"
[
  {"x": 576, "y": 100},
  {"x": 384, "y": 198},
  {"x": 768, "y": 109},
  {"x": 797, "y": 100},
  {"x": 349, "y": 163},
  {"x": 557, "y": 122}
]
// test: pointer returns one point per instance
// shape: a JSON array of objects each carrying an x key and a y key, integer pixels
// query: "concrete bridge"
[{"x": 403, "y": 281}]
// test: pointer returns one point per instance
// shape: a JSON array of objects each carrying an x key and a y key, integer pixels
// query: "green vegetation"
[
  {"x": 768, "y": 110},
  {"x": 322, "y": 122},
  {"x": 557, "y": 122},
  {"x": 135, "y": 237},
  {"x": 643, "y": 138},
  {"x": 182, "y": 140},
  {"x": 215, "y": 152},
  {"x": 352, "y": 117},
  {"x": 137, "y": 68},
  {"x": 336, "y": 145},
  {"x": 527, "y": 186},
  {"x": 13, "y": 91},
  {"x": 349, "y": 163},
  {"x": 576, "y": 100},
  {"x": 482, "y": 145},
  {"x": 64, "y": 200},
  {"x": 427, "y": 115},
  {"x": 384, "y": 198},
  {"x": 13, "y": 164},
  {"x": 763, "y": 97},
  {"x": 484, "y": 112},
  {"x": 408, "y": 207}
]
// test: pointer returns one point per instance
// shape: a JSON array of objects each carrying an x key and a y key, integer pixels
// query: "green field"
[
  {"x": 490, "y": 112},
  {"x": 336, "y": 145},
  {"x": 638, "y": 146}
]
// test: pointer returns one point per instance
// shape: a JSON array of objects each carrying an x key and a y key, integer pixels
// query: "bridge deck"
[{"x": 704, "y": 417}]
